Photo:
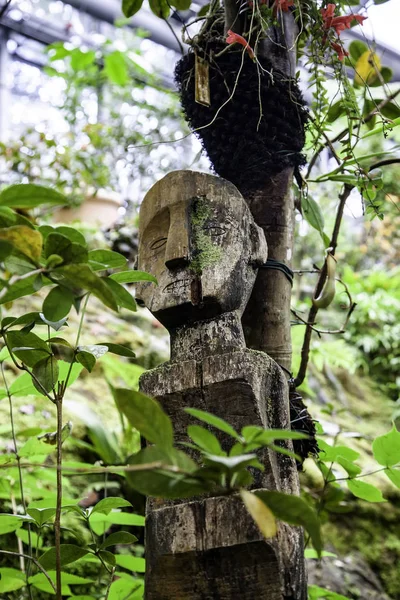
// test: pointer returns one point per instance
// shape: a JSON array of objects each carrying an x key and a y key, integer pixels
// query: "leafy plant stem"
[
  {"x": 305, "y": 351},
  {"x": 35, "y": 562},
  {"x": 109, "y": 583},
  {"x": 78, "y": 335},
  {"x": 57, "y": 520},
  {"x": 18, "y": 459}
]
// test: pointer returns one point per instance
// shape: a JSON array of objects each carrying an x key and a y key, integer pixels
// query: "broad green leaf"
[
  {"x": 204, "y": 10},
  {"x": 313, "y": 215},
  {"x": 41, "y": 515},
  {"x": 28, "y": 195},
  {"x": 57, "y": 303},
  {"x": 24, "y": 287},
  {"x": 123, "y": 298},
  {"x": 108, "y": 557},
  {"x": 115, "y": 68},
  {"x": 357, "y": 49},
  {"x": 181, "y": 4},
  {"x": 331, "y": 453},
  {"x": 122, "y": 588},
  {"x": 11, "y": 580},
  {"x": 146, "y": 415},
  {"x": 9, "y": 523},
  {"x": 40, "y": 582},
  {"x": 26, "y": 319},
  {"x": 132, "y": 563},
  {"x": 391, "y": 110},
  {"x": 5, "y": 249},
  {"x": 86, "y": 359},
  {"x": 395, "y": 123},
  {"x": 28, "y": 347},
  {"x": 73, "y": 234},
  {"x": 108, "y": 504},
  {"x": 365, "y": 491},
  {"x": 160, "y": 8},
  {"x": 45, "y": 374},
  {"x": 60, "y": 245},
  {"x": 260, "y": 512},
  {"x": 204, "y": 439},
  {"x": 81, "y": 276},
  {"x": 317, "y": 593},
  {"x": 386, "y": 448},
  {"x": 132, "y": 277},
  {"x": 118, "y": 349},
  {"x": 349, "y": 466},
  {"x": 296, "y": 511},
  {"x": 119, "y": 537},
  {"x": 253, "y": 433},
  {"x": 81, "y": 59},
  {"x": 214, "y": 421},
  {"x": 131, "y": 7},
  {"x": 117, "y": 518},
  {"x": 394, "y": 476},
  {"x": 25, "y": 240},
  {"x": 335, "y": 111},
  {"x": 69, "y": 554},
  {"x": 164, "y": 483},
  {"x": 106, "y": 259},
  {"x": 23, "y": 535},
  {"x": 386, "y": 77}
]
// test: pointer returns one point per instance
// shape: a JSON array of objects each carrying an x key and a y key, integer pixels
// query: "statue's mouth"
[{"x": 178, "y": 287}]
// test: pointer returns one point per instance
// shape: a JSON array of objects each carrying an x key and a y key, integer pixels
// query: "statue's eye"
[
  {"x": 158, "y": 243},
  {"x": 214, "y": 230}
]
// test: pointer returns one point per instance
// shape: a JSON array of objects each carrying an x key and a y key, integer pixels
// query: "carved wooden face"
[{"x": 198, "y": 238}]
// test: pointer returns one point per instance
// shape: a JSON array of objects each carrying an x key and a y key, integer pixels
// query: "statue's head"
[{"x": 198, "y": 238}]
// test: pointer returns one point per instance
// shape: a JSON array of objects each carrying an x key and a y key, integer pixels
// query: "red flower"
[
  {"x": 235, "y": 38},
  {"x": 282, "y": 5},
  {"x": 338, "y": 23},
  {"x": 341, "y": 52}
]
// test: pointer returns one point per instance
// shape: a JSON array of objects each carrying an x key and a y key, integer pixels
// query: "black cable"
[{"x": 277, "y": 265}]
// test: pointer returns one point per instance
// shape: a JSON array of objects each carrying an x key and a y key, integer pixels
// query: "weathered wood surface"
[{"x": 197, "y": 236}]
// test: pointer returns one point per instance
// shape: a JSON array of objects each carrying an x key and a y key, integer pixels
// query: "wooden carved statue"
[{"x": 198, "y": 238}]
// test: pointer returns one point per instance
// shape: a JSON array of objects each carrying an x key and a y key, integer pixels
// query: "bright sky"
[{"x": 383, "y": 24}]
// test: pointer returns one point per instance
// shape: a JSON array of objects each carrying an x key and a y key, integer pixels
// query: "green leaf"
[
  {"x": 365, "y": 491},
  {"x": 261, "y": 514},
  {"x": 331, "y": 453},
  {"x": 73, "y": 234},
  {"x": 146, "y": 415},
  {"x": 204, "y": 439},
  {"x": 41, "y": 515},
  {"x": 108, "y": 557},
  {"x": 60, "y": 245},
  {"x": 81, "y": 276},
  {"x": 233, "y": 463},
  {"x": 117, "y": 518},
  {"x": 29, "y": 195},
  {"x": 106, "y": 505},
  {"x": 394, "y": 476},
  {"x": 82, "y": 59},
  {"x": 11, "y": 580},
  {"x": 117, "y": 538},
  {"x": 40, "y": 582},
  {"x": 9, "y": 523},
  {"x": 25, "y": 240},
  {"x": 69, "y": 554},
  {"x": 118, "y": 349},
  {"x": 386, "y": 448},
  {"x": 132, "y": 277},
  {"x": 26, "y": 319},
  {"x": 57, "y": 303},
  {"x": 46, "y": 374},
  {"x": 311, "y": 553},
  {"x": 390, "y": 110},
  {"x": 214, "y": 421},
  {"x": 349, "y": 466},
  {"x": 86, "y": 359},
  {"x": 115, "y": 68},
  {"x": 313, "y": 215},
  {"x": 5, "y": 249},
  {"x": 131, "y": 563},
  {"x": 106, "y": 259},
  {"x": 181, "y": 4},
  {"x": 28, "y": 347},
  {"x": 317, "y": 593},
  {"x": 23, "y": 535},
  {"x": 335, "y": 111},
  {"x": 160, "y": 8},
  {"x": 357, "y": 49},
  {"x": 25, "y": 287},
  {"x": 122, "y": 588},
  {"x": 131, "y": 7},
  {"x": 204, "y": 10},
  {"x": 295, "y": 511},
  {"x": 252, "y": 433},
  {"x": 123, "y": 297},
  {"x": 162, "y": 483}
]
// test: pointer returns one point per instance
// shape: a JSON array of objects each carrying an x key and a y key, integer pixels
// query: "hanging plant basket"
[{"x": 254, "y": 125}]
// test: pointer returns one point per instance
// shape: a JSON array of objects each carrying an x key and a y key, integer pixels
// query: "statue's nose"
[{"x": 177, "y": 250}]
